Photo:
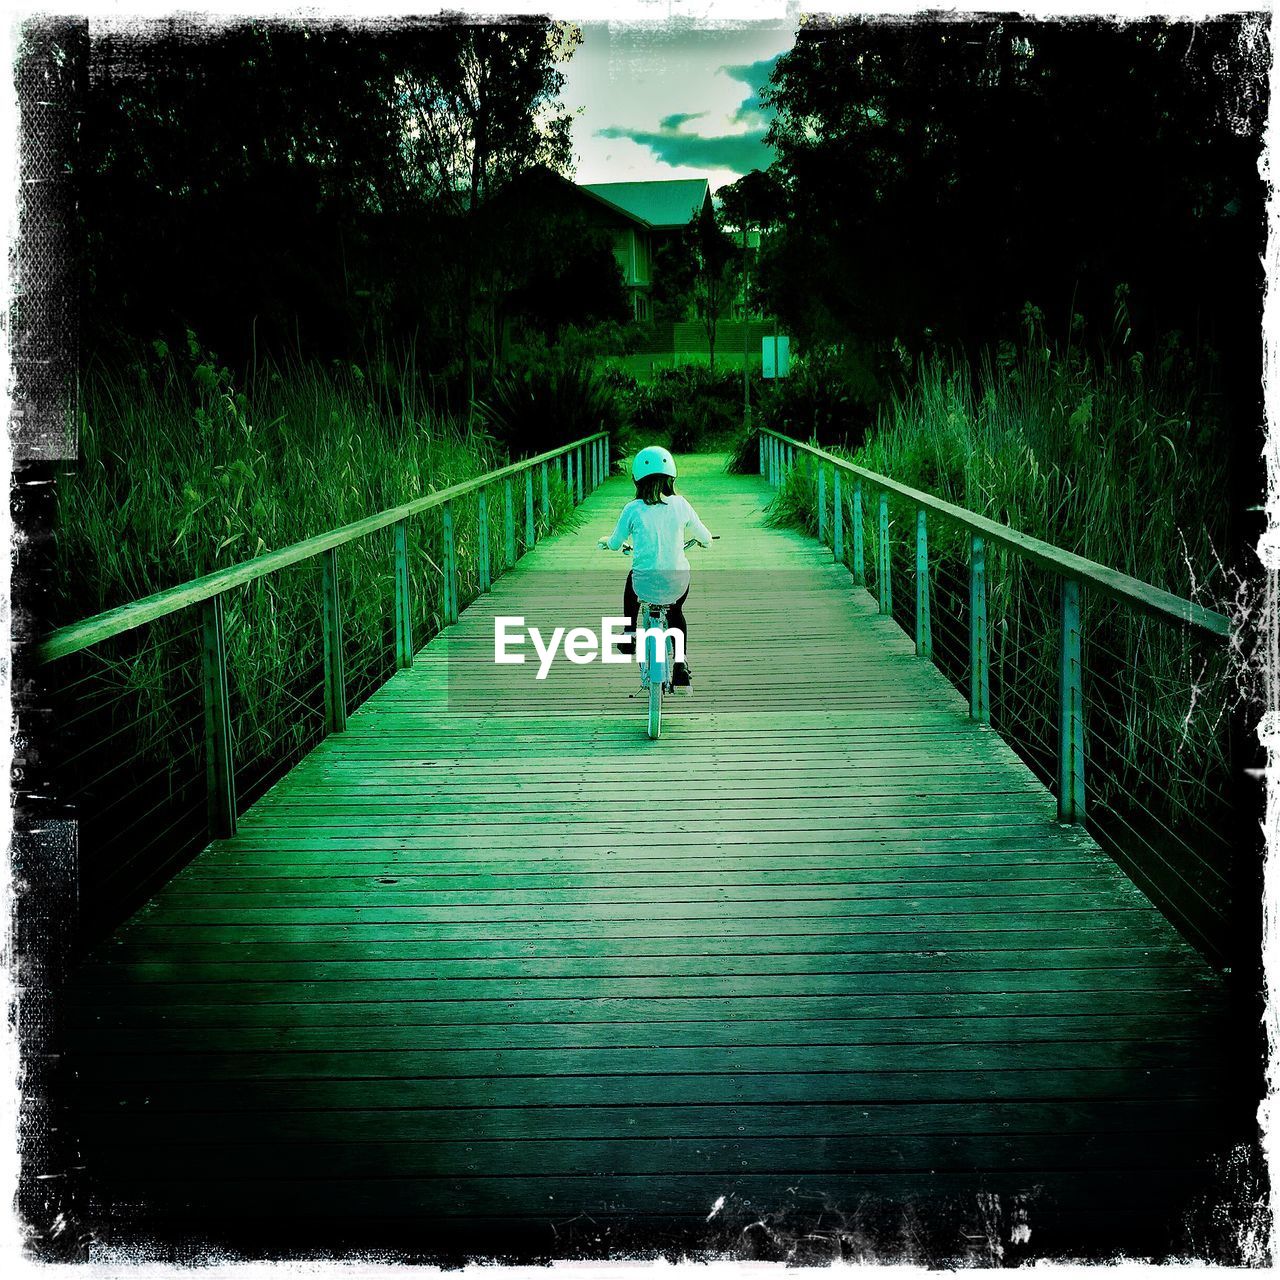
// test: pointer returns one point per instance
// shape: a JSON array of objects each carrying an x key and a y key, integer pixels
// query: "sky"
[{"x": 671, "y": 100}]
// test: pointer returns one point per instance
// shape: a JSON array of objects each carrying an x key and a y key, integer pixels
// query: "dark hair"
[{"x": 654, "y": 489}]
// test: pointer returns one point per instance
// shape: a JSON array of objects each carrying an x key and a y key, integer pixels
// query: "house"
[{"x": 640, "y": 216}]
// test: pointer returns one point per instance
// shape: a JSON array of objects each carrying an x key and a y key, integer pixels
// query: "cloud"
[
  {"x": 672, "y": 144},
  {"x": 755, "y": 75},
  {"x": 674, "y": 122},
  {"x": 737, "y": 152}
]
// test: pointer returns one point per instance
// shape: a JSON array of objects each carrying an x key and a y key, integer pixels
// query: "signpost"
[
  {"x": 750, "y": 240},
  {"x": 775, "y": 356}
]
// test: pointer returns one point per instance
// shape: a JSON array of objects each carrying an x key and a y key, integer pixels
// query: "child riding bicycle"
[{"x": 657, "y": 523}]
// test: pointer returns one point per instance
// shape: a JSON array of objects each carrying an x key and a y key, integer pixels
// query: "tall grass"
[
  {"x": 1096, "y": 458},
  {"x": 549, "y": 404},
  {"x": 182, "y": 472},
  {"x": 1089, "y": 455}
]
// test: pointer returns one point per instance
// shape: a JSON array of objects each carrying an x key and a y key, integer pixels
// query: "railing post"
[
  {"x": 482, "y": 519},
  {"x": 884, "y": 558},
  {"x": 579, "y": 471},
  {"x": 546, "y": 496},
  {"x": 979, "y": 656},
  {"x": 530, "y": 533},
  {"x": 1071, "y": 708},
  {"x": 511, "y": 524},
  {"x": 450, "y": 567},
  {"x": 924, "y": 628},
  {"x": 606, "y": 457},
  {"x": 822, "y": 502},
  {"x": 760, "y": 445},
  {"x": 220, "y": 778},
  {"x": 335, "y": 684},
  {"x": 837, "y": 518},
  {"x": 404, "y": 617},
  {"x": 568, "y": 476},
  {"x": 859, "y": 538}
]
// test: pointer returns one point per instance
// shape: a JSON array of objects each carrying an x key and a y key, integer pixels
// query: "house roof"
[{"x": 662, "y": 205}]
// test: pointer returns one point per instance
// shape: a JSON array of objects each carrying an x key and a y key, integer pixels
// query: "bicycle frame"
[
  {"x": 658, "y": 660},
  {"x": 655, "y": 662}
]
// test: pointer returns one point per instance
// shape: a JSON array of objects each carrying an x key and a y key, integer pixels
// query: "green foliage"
[
  {"x": 711, "y": 253},
  {"x": 744, "y": 457},
  {"x": 1089, "y": 454},
  {"x": 829, "y": 393},
  {"x": 550, "y": 398},
  {"x": 689, "y": 409},
  {"x": 316, "y": 187},
  {"x": 1098, "y": 458},
  {"x": 795, "y": 505},
  {"x": 675, "y": 269},
  {"x": 937, "y": 174},
  {"x": 182, "y": 472}
]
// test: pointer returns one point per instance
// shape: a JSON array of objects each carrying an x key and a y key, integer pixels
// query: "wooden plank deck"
[{"x": 492, "y": 967}]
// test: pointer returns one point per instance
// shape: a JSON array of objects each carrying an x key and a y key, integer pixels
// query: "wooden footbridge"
[{"x": 822, "y": 972}]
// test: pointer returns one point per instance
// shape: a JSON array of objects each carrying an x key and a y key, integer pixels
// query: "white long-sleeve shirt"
[{"x": 658, "y": 532}]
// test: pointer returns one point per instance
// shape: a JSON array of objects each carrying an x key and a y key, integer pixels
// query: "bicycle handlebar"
[{"x": 626, "y": 548}]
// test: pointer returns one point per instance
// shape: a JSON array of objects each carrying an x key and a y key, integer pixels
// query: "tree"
[
  {"x": 675, "y": 269},
  {"x": 548, "y": 266},
  {"x": 712, "y": 253},
  {"x": 223, "y": 181},
  {"x": 315, "y": 189},
  {"x": 484, "y": 107},
  {"x": 756, "y": 202},
  {"x": 941, "y": 174}
]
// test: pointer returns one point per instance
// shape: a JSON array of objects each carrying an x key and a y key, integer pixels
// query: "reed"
[
  {"x": 181, "y": 472},
  {"x": 1095, "y": 457}
]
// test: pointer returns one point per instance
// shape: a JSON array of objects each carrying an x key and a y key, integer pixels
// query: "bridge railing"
[
  {"x": 1114, "y": 691},
  {"x": 174, "y": 712}
]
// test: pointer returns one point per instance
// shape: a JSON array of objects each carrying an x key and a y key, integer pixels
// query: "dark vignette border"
[
  {"x": 45, "y": 266},
  {"x": 43, "y": 341}
]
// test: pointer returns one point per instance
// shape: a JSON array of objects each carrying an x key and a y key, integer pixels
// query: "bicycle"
[{"x": 657, "y": 670}]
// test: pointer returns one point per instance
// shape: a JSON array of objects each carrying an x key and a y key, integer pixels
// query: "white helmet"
[{"x": 653, "y": 461}]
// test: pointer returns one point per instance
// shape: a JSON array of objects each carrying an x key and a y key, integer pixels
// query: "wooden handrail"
[
  {"x": 1106, "y": 581},
  {"x": 104, "y": 626}
]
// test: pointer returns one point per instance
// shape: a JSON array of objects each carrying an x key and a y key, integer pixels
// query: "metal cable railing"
[
  {"x": 178, "y": 711},
  {"x": 1114, "y": 692}
]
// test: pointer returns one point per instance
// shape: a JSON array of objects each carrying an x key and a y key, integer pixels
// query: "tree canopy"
[
  {"x": 940, "y": 175},
  {"x": 321, "y": 188}
]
